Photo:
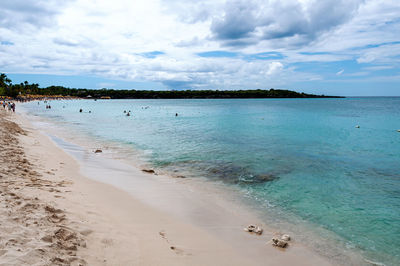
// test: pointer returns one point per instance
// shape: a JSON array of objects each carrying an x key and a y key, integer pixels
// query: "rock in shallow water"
[{"x": 265, "y": 178}]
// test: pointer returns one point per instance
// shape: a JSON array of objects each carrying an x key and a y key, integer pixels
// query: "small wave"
[{"x": 375, "y": 263}]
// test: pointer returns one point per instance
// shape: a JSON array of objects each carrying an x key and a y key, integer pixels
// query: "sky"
[{"x": 331, "y": 47}]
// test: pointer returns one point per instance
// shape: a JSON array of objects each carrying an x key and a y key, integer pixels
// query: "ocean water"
[{"x": 302, "y": 159}]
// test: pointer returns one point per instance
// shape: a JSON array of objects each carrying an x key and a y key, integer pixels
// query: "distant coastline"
[{"x": 32, "y": 91}]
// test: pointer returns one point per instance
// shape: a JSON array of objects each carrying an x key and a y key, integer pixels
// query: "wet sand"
[{"x": 63, "y": 205}]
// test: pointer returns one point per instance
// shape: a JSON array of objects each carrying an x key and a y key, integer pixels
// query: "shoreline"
[
  {"x": 195, "y": 238},
  {"x": 116, "y": 155}
]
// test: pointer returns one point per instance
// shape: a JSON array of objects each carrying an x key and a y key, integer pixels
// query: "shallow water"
[{"x": 302, "y": 159}]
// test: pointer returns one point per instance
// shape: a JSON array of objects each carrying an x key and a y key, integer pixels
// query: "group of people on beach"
[{"x": 8, "y": 106}]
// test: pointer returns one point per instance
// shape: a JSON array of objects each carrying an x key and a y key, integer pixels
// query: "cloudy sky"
[{"x": 337, "y": 47}]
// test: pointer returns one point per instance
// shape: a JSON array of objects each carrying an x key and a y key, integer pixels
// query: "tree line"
[{"x": 25, "y": 88}]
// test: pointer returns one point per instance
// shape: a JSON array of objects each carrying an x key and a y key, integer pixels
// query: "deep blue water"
[{"x": 303, "y": 157}]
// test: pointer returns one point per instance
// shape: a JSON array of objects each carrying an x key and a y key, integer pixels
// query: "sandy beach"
[{"x": 54, "y": 212}]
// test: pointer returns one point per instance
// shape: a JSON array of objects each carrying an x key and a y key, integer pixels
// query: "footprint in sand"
[
  {"x": 86, "y": 232},
  {"x": 107, "y": 241},
  {"x": 177, "y": 250}
]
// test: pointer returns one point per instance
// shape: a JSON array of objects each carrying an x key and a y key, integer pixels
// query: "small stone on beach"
[
  {"x": 285, "y": 237},
  {"x": 279, "y": 242},
  {"x": 98, "y": 151},
  {"x": 254, "y": 229}
]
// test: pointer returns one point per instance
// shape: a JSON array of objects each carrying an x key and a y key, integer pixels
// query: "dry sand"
[{"x": 50, "y": 214}]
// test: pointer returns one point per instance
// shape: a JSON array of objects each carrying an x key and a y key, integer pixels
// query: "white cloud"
[
  {"x": 274, "y": 67},
  {"x": 382, "y": 54},
  {"x": 110, "y": 38}
]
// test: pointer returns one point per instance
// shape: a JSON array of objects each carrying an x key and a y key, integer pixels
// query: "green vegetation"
[{"x": 14, "y": 90}]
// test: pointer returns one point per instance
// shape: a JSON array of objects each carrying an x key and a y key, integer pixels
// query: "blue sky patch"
[
  {"x": 152, "y": 54},
  {"x": 314, "y": 53},
  {"x": 6, "y": 43},
  {"x": 218, "y": 54},
  {"x": 264, "y": 56}
]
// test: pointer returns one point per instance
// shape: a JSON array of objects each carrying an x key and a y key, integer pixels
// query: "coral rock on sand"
[
  {"x": 254, "y": 229},
  {"x": 285, "y": 237},
  {"x": 98, "y": 151},
  {"x": 279, "y": 242}
]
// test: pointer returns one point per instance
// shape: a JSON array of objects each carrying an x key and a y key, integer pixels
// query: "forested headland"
[{"x": 26, "y": 89}]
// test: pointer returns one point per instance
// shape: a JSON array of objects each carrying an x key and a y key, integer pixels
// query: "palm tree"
[
  {"x": 5, "y": 84},
  {"x": 4, "y": 81}
]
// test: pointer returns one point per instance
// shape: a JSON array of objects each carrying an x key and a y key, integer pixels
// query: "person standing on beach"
[{"x": 13, "y": 107}]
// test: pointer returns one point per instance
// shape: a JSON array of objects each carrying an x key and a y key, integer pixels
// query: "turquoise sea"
[{"x": 303, "y": 159}]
